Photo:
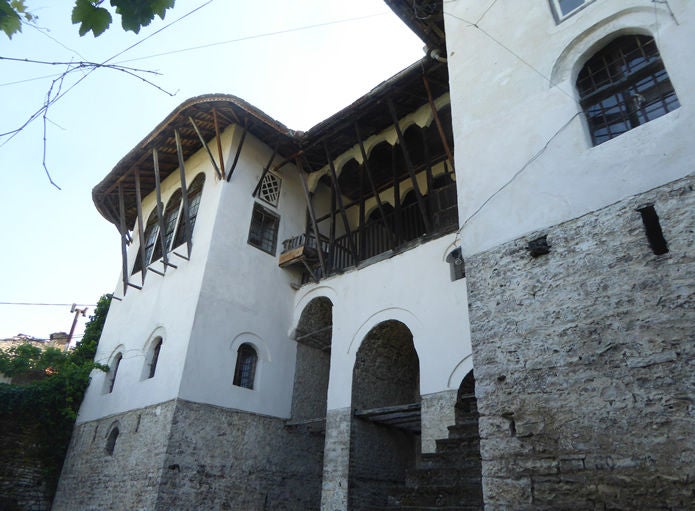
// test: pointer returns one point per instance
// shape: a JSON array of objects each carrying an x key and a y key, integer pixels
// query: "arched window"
[
  {"x": 171, "y": 216},
  {"x": 624, "y": 85},
  {"x": 245, "y": 370},
  {"x": 113, "y": 370},
  {"x": 195, "y": 192},
  {"x": 151, "y": 232},
  {"x": 111, "y": 441},
  {"x": 152, "y": 358}
]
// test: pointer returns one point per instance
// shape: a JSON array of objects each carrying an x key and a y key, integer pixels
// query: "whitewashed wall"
[
  {"x": 413, "y": 287},
  {"x": 513, "y": 97}
]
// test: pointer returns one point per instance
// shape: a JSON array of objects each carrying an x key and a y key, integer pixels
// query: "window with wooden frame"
[
  {"x": 624, "y": 85},
  {"x": 562, "y": 9},
  {"x": 171, "y": 218},
  {"x": 195, "y": 193},
  {"x": 175, "y": 231},
  {"x": 245, "y": 370},
  {"x": 151, "y": 237},
  {"x": 263, "y": 232}
]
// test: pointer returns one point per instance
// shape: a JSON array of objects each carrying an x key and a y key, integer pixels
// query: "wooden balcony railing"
[{"x": 375, "y": 236}]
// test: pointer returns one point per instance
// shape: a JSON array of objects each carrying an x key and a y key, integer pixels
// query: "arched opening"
[
  {"x": 312, "y": 367},
  {"x": 245, "y": 369},
  {"x": 111, "y": 375},
  {"x": 151, "y": 358},
  {"x": 386, "y": 423},
  {"x": 111, "y": 441}
]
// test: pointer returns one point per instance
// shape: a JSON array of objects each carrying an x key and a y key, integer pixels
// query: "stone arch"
[
  {"x": 313, "y": 336},
  {"x": 391, "y": 313},
  {"x": 386, "y": 420}
]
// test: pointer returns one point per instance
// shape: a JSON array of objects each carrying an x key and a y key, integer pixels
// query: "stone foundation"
[
  {"x": 188, "y": 456},
  {"x": 585, "y": 362}
]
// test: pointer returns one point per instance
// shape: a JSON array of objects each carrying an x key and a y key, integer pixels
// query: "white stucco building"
[{"x": 299, "y": 314}]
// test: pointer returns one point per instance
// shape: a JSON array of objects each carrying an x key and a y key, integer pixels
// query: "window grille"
[
  {"x": 245, "y": 370},
  {"x": 623, "y": 86},
  {"x": 263, "y": 232},
  {"x": 270, "y": 188}
]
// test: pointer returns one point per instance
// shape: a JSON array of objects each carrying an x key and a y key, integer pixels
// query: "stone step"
[
  {"x": 439, "y": 497},
  {"x": 444, "y": 476},
  {"x": 435, "y": 460},
  {"x": 463, "y": 446},
  {"x": 468, "y": 429}
]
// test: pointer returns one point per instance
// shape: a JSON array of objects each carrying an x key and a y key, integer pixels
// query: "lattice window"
[
  {"x": 623, "y": 86},
  {"x": 270, "y": 188}
]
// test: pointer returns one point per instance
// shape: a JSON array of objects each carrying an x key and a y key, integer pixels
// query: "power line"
[
  {"x": 218, "y": 43},
  {"x": 254, "y": 36},
  {"x": 49, "y": 304}
]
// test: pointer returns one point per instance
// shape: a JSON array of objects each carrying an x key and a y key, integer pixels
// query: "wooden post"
[
  {"x": 331, "y": 235},
  {"x": 265, "y": 170},
  {"x": 409, "y": 165},
  {"x": 122, "y": 229},
  {"x": 219, "y": 142},
  {"x": 184, "y": 193},
  {"x": 372, "y": 186},
  {"x": 238, "y": 149},
  {"x": 361, "y": 214},
  {"x": 440, "y": 128},
  {"x": 310, "y": 209},
  {"x": 339, "y": 198},
  {"x": 398, "y": 219},
  {"x": 141, "y": 232},
  {"x": 205, "y": 145},
  {"x": 160, "y": 210}
]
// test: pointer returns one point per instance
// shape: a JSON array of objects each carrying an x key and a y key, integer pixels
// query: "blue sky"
[{"x": 57, "y": 248}]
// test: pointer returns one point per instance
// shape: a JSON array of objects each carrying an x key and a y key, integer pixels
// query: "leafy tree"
[
  {"x": 91, "y": 15},
  {"x": 49, "y": 404}
]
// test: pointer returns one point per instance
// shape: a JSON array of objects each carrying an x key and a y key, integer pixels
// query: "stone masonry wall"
[
  {"x": 127, "y": 480},
  {"x": 231, "y": 460},
  {"x": 585, "y": 362},
  {"x": 23, "y": 485}
]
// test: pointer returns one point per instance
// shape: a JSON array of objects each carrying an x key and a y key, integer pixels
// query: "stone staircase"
[{"x": 450, "y": 478}]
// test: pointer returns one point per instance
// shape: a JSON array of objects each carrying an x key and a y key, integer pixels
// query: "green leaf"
[
  {"x": 91, "y": 17},
  {"x": 136, "y": 14},
  {"x": 10, "y": 21}
]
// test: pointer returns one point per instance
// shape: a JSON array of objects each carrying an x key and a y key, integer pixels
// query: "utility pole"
[{"x": 77, "y": 312}]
